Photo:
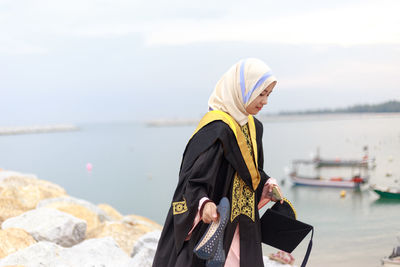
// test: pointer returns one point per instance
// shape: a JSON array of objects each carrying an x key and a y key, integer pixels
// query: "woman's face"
[{"x": 262, "y": 99}]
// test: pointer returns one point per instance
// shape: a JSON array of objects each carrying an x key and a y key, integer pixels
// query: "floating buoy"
[
  {"x": 89, "y": 167},
  {"x": 343, "y": 193}
]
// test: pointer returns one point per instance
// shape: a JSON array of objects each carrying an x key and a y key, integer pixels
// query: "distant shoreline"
[
  {"x": 37, "y": 129},
  {"x": 392, "y": 106},
  {"x": 171, "y": 122}
]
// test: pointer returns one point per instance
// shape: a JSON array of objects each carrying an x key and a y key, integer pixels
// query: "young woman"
[{"x": 223, "y": 158}]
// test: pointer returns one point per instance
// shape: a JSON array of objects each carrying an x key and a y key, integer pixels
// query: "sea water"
[{"x": 135, "y": 169}]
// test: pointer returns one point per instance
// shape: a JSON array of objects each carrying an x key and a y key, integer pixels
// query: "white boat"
[
  {"x": 355, "y": 182},
  {"x": 311, "y": 173},
  {"x": 394, "y": 259},
  {"x": 394, "y": 262}
]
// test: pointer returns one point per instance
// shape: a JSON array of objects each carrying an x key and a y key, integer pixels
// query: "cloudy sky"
[{"x": 106, "y": 60}]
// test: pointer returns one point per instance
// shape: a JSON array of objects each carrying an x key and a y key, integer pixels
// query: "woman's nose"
[{"x": 264, "y": 101}]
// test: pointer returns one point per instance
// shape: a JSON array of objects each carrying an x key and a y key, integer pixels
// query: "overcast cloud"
[{"x": 77, "y": 61}]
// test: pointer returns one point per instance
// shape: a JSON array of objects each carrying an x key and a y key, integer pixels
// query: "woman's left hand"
[{"x": 267, "y": 192}]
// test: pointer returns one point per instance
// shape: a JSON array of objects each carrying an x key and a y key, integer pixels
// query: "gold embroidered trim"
[
  {"x": 240, "y": 138},
  {"x": 246, "y": 133},
  {"x": 290, "y": 204},
  {"x": 243, "y": 199},
  {"x": 179, "y": 207},
  {"x": 252, "y": 128}
]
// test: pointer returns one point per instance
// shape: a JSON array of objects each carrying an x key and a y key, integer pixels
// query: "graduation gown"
[{"x": 216, "y": 164}]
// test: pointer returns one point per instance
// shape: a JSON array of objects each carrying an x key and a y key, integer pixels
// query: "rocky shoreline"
[{"x": 41, "y": 225}]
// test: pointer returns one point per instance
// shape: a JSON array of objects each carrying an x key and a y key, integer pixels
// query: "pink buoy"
[{"x": 89, "y": 167}]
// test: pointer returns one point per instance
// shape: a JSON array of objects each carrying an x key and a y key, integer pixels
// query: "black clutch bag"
[{"x": 281, "y": 229}]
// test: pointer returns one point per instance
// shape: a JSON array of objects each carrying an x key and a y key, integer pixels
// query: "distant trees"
[{"x": 389, "y": 106}]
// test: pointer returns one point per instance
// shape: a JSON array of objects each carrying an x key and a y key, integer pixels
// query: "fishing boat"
[
  {"x": 338, "y": 182},
  {"x": 386, "y": 192},
  {"x": 364, "y": 162},
  {"x": 394, "y": 259},
  {"x": 331, "y": 173}
]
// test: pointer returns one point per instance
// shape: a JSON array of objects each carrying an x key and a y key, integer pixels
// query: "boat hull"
[
  {"x": 384, "y": 194},
  {"x": 323, "y": 183},
  {"x": 390, "y": 263}
]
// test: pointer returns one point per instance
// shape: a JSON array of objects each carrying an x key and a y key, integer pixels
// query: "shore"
[{"x": 41, "y": 225}]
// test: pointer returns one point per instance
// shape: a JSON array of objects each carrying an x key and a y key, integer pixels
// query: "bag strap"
[{"x": 303, "y": 264}]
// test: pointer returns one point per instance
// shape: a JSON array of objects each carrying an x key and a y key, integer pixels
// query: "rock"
[
  {"x": 82, "y": 209},
  {"x": 112, "y": 213},
  {"x": 124, "y": 234},
  {"x": 145, "y": 223},
  {"x": 145, "y": 248},
  {"x": 9, "y": 207},
  {"x": 21, "y": 192},
  {"x": 46, "y": 224},
  {"x": 102, "y": 252},
  {"x": 97, "y": 252},
  {"x": 14, "y": 239},
  {"x": 40, "y": 254},
  {"x": 27, "y": 190},
  {"x": 8, "y": 174}
]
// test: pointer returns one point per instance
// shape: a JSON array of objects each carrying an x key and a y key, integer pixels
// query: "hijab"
[{"x": 239, "y": 86}]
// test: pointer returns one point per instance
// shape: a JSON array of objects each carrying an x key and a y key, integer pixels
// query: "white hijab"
[{"x": 239, "y": 86}]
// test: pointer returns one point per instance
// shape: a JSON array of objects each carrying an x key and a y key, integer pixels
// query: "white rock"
[
  {"x": 52, "y": 225},
  {"x": 97, "y": 252},
  {"x": 67, "y": 199},
  {"x": 145, "y": 248},
  {"x": 37, "y": 255}
]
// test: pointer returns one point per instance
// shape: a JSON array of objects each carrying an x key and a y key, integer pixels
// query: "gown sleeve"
[
  {"x": 202, "y": 175},
  {"x": 198, "y": 181}
]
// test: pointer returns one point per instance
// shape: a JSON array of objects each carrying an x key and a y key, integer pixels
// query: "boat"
[
  {"x": 386, "y": 192},
  {"x": 349, "y": 173},
  {"x": 364, "y": 162},
  {"x": 394, "y": 259},
  {"x": 338, "y": 182}
]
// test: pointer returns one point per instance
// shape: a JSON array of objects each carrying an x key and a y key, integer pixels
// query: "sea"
[{"x": 135, "y": 169}]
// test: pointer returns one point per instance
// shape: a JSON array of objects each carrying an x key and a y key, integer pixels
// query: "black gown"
[{"x": 213, "y": 167}]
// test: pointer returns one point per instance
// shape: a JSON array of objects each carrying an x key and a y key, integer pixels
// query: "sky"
[{"x": 99, "y": 61}]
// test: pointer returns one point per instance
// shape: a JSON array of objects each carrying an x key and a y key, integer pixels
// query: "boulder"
[
  {"x": 45, "y": 224},
  {"x": 143, "y": 222},
  {"x": 14, "y": 239},
  {"x": 9, "y": 207},
  {"x": 124, "y": 234},
  {"x": 97, "y": 252},
  {"x": 102, "y": 252},
  {"x": 112, "y": 213},
  {"x": 145, "y": 248},
  {"x": 28, "y": 190},
  {"x": 82, "y": 209},
  {"x": 39, "y": 254},
  {"x": 7, "y": 174}
]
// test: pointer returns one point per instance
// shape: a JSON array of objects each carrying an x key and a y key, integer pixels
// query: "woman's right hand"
[{"x": 210, "y": 213}]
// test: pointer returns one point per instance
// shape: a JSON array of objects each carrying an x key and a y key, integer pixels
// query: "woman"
[{"x": 224, "y": 158}]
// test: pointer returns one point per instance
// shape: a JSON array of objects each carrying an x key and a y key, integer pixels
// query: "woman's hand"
[
  {"x": 267, "y": 192},
  {"x": 210, "y": 213}
]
